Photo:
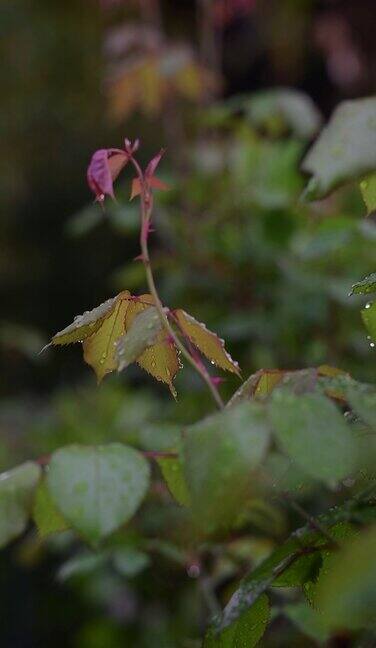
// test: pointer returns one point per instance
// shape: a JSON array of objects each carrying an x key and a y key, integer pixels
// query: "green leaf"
[
  {"x": 17, "y": 488},
  {"x": 339, "y": 532},
  {"x": 81, "y": 565},
  {"x": 45, "y": 514},
  {"x": 173, "y": 473},
  {"x": 276, "y": 108},
  {"x": 287, "y": 561},
  {"x": 367, "y": 285},
  {"x": 313, "y": 432},
  {"x": 219, "y": 454},
  {"x": 362, "y": 399},
  {"x": 141, "y": 335},
  {"x": 368, "y": 189},
  {"x": 369, "y": 318},
  {"x": 246, "y": 631},
  {"x": 129, "y": 561},
  {"x": 346, "y": 595},
  {"x": 308, "y": 620},
  {"x": 345, "y": 149},
  {"x": 97, "y": 488},
  {"x": 285, "y": 476},
  {"x": 258, "y": 385}
]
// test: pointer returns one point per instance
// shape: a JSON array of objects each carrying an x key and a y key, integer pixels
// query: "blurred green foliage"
[{"x": 236, "y": 247}]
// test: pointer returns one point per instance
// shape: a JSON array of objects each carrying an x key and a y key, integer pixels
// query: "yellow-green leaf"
[
  {"x": 161, "y": 359},
  {"x": 45, "y": 514},
  {"x": 207, "y": 342},
  {"x": 172, "y": 471},
  {"x": 369, "y": 318},
  {"x": 100, "y": 329},
  {"x": 368, "y": 189},
  {"x": 141, "y": 335},
  {"x": 85, "y": 325},
  {"x": 99, "y": 348}
]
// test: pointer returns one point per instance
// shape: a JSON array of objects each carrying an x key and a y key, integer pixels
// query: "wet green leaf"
[
  {"x": 219, "y": 454},
  {"x": 97, "y": 488},
  {"x": 369, "y": 319},
  {"x": 345, "y": 149},
  {"x": 365, "y": 286},
  {"x": 313, "y": 432}
]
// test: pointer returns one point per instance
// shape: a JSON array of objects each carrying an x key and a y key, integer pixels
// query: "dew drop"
[
  {"x": 372, "y": 345},
  {"x": 368, "y": 305}
]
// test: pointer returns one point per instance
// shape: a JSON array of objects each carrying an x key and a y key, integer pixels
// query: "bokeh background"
[{"x": 233, "y": 245}]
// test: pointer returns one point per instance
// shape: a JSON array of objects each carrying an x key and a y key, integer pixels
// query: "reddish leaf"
[
  {"x": 104, "y": 168},
  {"x": 155, "y": 183},
  {"x": 152, "y": 166},
  {"x": 136, "y": 188},
  {"x": 150, "y": 179}
]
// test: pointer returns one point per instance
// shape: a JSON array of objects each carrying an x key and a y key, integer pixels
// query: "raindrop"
[
  {"x": 368, "y": 305},
  {"x": 372, "y": 344}
]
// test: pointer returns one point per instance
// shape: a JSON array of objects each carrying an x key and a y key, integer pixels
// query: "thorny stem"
[{"x": 146, "y": 212}]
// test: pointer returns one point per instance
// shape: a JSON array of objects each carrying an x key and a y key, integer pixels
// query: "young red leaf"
[
  {"x": 152, "y": 166},
  {"x": 150, "y": 179},
  {"x": 105, "y": 166},
  {"x": 156, "y": 183},
  {"x": 136, "y": 188}
]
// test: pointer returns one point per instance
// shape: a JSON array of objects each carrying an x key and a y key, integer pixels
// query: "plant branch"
[
  {"x": 146, "y": 212},
  {"x": 312, "y": 521}
]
